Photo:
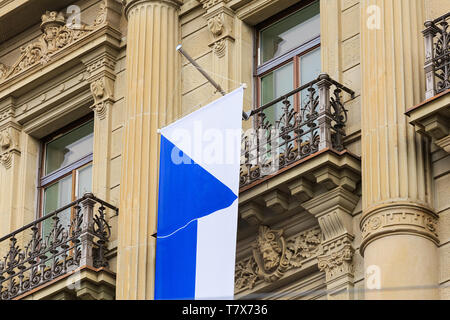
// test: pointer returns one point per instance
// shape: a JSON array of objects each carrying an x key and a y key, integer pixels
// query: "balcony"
[
  {"x": 298, "y": 189},
  {"x": 432, "y": 117},
  {"x": 312, "y": 120},
  {"x": 69, "y": 241}
]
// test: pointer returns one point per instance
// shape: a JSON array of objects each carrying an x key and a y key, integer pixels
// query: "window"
[
  {"x": 288, "y": 56},
  {"x": 66, "y": 170}
]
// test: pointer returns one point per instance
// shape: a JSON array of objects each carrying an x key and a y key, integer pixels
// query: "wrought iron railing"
[
  {"x": 437, "y": 55},
  {"x": 294, "y": 126},
  {"x": 47, "y": 249}
]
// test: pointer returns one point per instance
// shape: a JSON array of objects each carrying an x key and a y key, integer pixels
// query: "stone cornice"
[
  {"x": 56, "y": 36},
  {"x": 103, "y": 34}
]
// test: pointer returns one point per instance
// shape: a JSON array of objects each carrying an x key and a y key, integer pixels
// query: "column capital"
[
  {"x": 128, "y": 4},
  {"x": 398, "y": 218}
]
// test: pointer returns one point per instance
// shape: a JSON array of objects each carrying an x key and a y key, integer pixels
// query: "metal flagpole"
[{"x": 179, "y": 48}]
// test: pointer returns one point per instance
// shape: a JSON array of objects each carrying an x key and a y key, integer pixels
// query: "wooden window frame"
[
  {"x": 71, "y": 169},
  {"x": 294, "y": 55}
]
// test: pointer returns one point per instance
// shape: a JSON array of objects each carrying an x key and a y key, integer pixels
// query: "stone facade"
[{"x": 336, "y": 225}]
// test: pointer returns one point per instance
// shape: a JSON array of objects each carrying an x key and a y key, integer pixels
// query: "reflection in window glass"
[
  {"x": 274, "y": 85},
  {"x": 69, "y": 148},
  {"x": 56, "y": 196},
  {"x": 290, "y": 32},
  {"x": 84, "y": 183},
  {"x": 310, "y": 67}
]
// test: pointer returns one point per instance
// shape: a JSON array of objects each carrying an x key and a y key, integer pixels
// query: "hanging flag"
[{"x": 198, "y": 202}]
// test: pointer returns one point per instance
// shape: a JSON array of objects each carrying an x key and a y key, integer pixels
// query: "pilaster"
[
  {"x": 221, "y": 23},
  {"x": 100, "y": 71},
  {"x": 10, "y": 160},
  {"x": 333, "y": 211}
]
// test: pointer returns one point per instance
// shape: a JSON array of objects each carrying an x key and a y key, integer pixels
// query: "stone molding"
[
  {"x": 273, "y": 255},
  {"x": 398, "y": 218}
]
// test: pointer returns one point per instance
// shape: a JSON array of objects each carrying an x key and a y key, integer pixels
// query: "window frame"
[
  {"x": 294, "y": 55},
  {"x": 46, "y": 181}
]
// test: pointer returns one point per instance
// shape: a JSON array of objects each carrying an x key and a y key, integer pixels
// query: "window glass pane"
[
  {"x": 290, "y": 32},
  {"x": 56, "y": 196},
  {"x": 274, "y": 85},
  {"x": 310, "y": 68},
  {"x": 84, "y": 183},
  {"x": 69, "y": 148}
]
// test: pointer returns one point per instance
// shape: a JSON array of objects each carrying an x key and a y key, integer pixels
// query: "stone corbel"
[
  {"x": 220, "y": 21},
  {"x": 333, "y": 211},
  {"x": 9, "y": 132},
  {"x": 9, "y": 145},
  {"x": 101, "y": 77},
  {"x": 337, "y": 264},
  {"x": 102, "y": 90}
]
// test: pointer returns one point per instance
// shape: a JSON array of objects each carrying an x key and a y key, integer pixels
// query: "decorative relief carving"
[
  {"x": 102, "y": 91},
  {"x": 337, "y": 263},
  {"x": 399, "y": 218},
  {"x": 7, "y": 114},
  {"x": 5, "y": 140},
  {"x": 220, "y": 23},
  {"x": 216, "y": 24},
  {"x": 219, "y": 48},
  {"x": 7, "y": 147},
  {"x": 101, "y": 16},
  {"x": 269, "y": 252},
  {"x": 273, "y": 256},
  {"x": 56, "y": 36}
]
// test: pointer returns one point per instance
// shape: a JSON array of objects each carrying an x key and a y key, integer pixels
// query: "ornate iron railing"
[
  {"x": 296, "y": 125},
  {"x": 437, "y": 55},
  {"x": 46, "y": 249}
]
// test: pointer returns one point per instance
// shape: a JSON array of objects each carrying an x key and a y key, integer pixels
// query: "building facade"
[{"x": 345, "y": 175}]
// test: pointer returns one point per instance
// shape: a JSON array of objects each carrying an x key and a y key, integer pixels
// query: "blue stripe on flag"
[
  {"x": 186, "y": 192},
  {"x": 175, "y": 265}
]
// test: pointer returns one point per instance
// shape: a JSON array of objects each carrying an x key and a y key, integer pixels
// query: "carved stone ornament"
[
  {"x": 102, "y": 91},
  {"x": 270, "y": 254},
  {"x": 337, "y": 263},
  {"x": 219, "y": 47},
  {"x": 6, "y": 145},
  {"x": 5, "y": 140},
  {"x": 56, "y": 35},
  {"x": 273, "y": 256},
  {"x": 216, "y": 25}
]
